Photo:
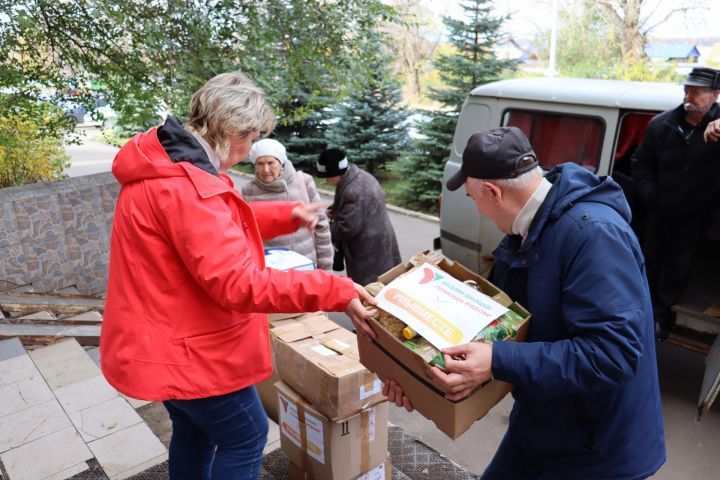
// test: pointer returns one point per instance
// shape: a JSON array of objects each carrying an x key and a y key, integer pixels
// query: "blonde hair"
[{"x": 227, "y": 105}]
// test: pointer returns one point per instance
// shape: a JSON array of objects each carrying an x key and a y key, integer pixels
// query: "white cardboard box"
[{"x": 283, "y": 259}]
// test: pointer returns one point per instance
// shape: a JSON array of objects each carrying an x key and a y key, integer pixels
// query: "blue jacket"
[{"x": 587, "y": 402}]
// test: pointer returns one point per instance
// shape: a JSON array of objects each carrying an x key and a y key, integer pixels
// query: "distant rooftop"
[{"x": 671, "y": 51}]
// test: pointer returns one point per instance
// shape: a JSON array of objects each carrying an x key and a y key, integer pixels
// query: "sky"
[{"x": 531, "y": 16}]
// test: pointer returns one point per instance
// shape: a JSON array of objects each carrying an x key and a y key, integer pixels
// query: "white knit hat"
[{"x": 268, "y": 147}]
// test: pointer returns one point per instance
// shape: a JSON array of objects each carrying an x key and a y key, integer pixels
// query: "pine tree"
[
  {"x": 372, "y": 125},
  {"x": 301, "y": 128},
  {"x": 472, "y": 63}
]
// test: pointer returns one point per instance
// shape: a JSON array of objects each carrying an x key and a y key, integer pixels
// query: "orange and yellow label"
[{"x": 452, "y": 334}]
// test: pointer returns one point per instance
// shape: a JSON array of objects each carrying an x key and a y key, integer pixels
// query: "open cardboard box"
[
  {"x": 327, "y": 450},
  {"x": 320, "y": 360},
  {"x": 390, "y": 359}
]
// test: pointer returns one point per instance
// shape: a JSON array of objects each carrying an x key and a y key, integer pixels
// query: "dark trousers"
[
  {"x": 217, "y": 438},
  {"x": 670, "y": 245}
]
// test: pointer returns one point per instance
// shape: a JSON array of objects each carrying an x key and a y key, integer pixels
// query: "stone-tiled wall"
[{"x": 56, "y": 235}]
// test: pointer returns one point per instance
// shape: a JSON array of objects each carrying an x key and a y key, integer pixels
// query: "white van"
[{"x": 596, "y": 124}]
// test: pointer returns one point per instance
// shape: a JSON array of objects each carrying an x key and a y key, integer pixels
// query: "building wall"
[{"x": 56, "y": 235}]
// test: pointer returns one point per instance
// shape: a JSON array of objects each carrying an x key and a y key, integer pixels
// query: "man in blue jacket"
[{"x": 587, "y": 403}]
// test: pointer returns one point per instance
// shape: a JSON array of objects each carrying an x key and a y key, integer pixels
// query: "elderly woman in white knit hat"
[{"x": 277, "y": 179}]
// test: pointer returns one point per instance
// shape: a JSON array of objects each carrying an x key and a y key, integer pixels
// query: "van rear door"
[{"x": 711, "y": 379}]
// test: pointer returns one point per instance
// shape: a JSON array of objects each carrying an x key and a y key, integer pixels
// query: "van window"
[
  {"x": 560, "y": 138},
  {"x": 630, "y": 134}
]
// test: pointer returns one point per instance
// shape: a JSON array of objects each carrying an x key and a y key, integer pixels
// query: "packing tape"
[
  {"x": 328, "y": 396},
  {"x": 303, "y": 435},
  {"x": 365, "y": 441}
]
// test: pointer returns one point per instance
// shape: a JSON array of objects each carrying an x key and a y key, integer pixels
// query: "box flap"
[
  {"x": 340, "y": 365},
  {"x": 341, "y": 341},
  {"x": 333, "y": 362},
  {"x": 305, "y": 326},
  {"x": 318, "y": 324}
]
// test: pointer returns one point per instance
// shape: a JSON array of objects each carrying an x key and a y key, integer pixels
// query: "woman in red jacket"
[{"x": 185, "y": 319}]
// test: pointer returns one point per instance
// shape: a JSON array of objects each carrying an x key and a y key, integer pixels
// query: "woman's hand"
[
  {"x": 393, "y": 392},
  {"x": 308, "y": 214},
  {"x": 359, "y": 314}
]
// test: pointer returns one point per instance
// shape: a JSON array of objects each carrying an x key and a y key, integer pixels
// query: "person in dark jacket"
[
  {"x": 587, "y": 401},
  {"x": 677, "y": 175},
  {"x": 359, "y": 220}
]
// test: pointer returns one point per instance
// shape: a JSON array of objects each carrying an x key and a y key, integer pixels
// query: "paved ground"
[{"x": 693, "y": 448}]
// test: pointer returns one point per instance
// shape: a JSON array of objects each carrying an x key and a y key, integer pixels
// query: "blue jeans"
[{"x": 217, "y": 438}]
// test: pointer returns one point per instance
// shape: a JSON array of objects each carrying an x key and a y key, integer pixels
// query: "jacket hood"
[
  {"x": 156, "y": 154},
  {"x": 571, "y": 184}
]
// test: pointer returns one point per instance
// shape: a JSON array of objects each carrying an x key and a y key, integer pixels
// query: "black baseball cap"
[
  {"x": 495, "y": 154},
  {"x": 703, "y": 77}
]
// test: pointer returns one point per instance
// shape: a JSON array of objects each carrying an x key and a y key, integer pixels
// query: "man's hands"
[
  {"x": 308, "y": 214},
  {"x": 712, "y": 132},
  {"x": 466, "y": 367},
  {"x": 359, "y": 314}
]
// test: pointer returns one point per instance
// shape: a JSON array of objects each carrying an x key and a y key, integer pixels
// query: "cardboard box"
[
  {"x": 390, "y": 359},
  {"x": 266, "y": 389},
  {"x": 381, "y": 472},
  {"x": 268, "y": 395},
  {"x": 326, "y": 449},
  {"x": 320, "y": 360}
]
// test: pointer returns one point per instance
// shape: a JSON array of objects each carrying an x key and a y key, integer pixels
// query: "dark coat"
[
  {"x": 362, "y": 225},
  {"x": 674, "y": 170},
  {"x": 586, "y": 383}
]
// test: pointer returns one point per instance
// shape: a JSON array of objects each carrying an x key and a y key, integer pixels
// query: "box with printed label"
[
  {"x": 320, "y": 360},
  {"x": 381, "y": 472},
  {"x": 388, "y": 357},
  {"x": 329, "y": 450}
]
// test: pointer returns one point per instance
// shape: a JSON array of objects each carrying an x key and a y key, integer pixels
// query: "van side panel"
[
  {"x": 465, "y": 235},
  {"x": 463, "y": 232}
]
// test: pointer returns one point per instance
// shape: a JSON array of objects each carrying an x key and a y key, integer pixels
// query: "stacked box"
[
  {"x": 266, "y": 389},
  {"x": 390, "y": 359},
  {"x": 322, "y": 449},
  {"x": 381, "y": 472},
  {"x": 320, "y": 360}
]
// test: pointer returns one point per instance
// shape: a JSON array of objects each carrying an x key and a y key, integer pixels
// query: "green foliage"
[
  {"x": 644, "y": 71},
  {"x": 371, "y": 126},
  {"x": 27, "y": 154},
  {"x": 114, "y": 137},
  {"x": 151, "y": 56},
  {"x": 471, "y": 63},
  {"x": 587, "y": 46}
]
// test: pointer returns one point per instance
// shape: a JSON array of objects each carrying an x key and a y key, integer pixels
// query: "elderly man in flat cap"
[
  {"x": 359, "y": 220},
  {"x": 587, "y": 401},
  {"x": 676, "y": 170}
]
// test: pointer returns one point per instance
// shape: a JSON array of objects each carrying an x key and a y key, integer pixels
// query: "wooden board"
[
  {"x": 45, "y": 334},
  {"x": 16, "y": 303}
]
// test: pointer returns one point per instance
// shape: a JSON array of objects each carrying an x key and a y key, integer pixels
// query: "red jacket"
[{"x": 188, "y": 278}]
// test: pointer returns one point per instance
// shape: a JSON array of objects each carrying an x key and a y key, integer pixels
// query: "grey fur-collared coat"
[
  {"x": 314, "y": 245},
  {"x": 362, "y": 225}
]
